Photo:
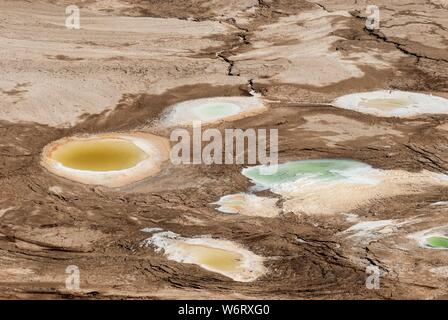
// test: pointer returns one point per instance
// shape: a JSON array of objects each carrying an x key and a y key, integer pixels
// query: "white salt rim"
[
  {"x": 223, "y": 207},
  {"x": 186, "y": 112},
  {"x": 250, "y": 269},
  {"x": 420, "y": 103},
  {"x": 361, "y": 175},
  {"x": 423, "y": 243},
  {"x": 421, "y": 236},
  {"x": 112, "y": 178},
  {"x": 251, "y": 204}
]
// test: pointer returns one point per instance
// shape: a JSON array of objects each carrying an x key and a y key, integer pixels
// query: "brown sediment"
[
  {"x": 65, "y": 58},
  {"x": 215, "y": 255}
]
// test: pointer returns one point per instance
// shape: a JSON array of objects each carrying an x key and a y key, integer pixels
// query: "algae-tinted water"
[
  {"x": 214, "y": 258},
  {"x": 216, "y": 110},
  {"x": 232, "y": 203},
  {"x": 99, "y": 154},
  {"x": 319, "y": 169},
  {"x": 437, "y": 242},
  {"x": 386, "y": 103}
]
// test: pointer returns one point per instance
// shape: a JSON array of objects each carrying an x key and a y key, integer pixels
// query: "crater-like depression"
[
  {"x": 210, "y": 110},
  {"x": 320, "y": 186},
  {"x": 111, "y": 160},
  {"x": 393, "y": 103},
  {"x": 215, "y": 255}
]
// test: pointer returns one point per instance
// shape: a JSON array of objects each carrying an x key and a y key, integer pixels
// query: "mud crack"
[{"x": 381, "y": 37}]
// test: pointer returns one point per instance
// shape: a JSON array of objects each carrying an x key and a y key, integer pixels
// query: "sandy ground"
[{"x": 132, "y": 59}]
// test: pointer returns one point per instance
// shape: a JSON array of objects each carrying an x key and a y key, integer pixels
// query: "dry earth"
[{"x": 133, "y": 58}]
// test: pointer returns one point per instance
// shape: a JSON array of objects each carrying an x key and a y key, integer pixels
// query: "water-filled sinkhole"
[
  {"x": 215, "y": 255},
  {"x": 208, "y": 110},
  {"x": 213, "y": 258},
  {"x": 393, "y": 103},
  {"x": 433, "y": 238},
  {"x": 99, "y": 154},
  {"x": 386, "y": 104},
  {"x": 324, "y": 186},
  {"x": 111, "y": 160},
  {"x": 439, "y": 242},
  {"x": 318, "y": 170},
  {"x": 248, "y": 204},
  {"x": 232, "y": 203}
]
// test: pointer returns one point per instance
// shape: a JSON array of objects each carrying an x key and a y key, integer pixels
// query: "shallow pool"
[
  {"x": 437, "y": 242},
  {"x": 216, "y": 110},
  {"x": 99, "y": 154},
  {"x": 317, "y": 170}
]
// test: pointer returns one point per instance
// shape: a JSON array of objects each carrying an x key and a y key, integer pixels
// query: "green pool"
[
  {"x": 216, "y": 110},
  {"x": 437, "y": 242},
  {"x": 318, "y": 170}
]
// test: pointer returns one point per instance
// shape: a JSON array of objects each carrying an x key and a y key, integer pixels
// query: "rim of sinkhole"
[
  {"x": 211, "y": 110},
  {"x": 393, "y": 103},
  {"x": 308, "y": 186},
  {"x": 309, "y": 171},
  {"x": 248, "y": 204},
  {"x": 216, "y": 255},
  {"x": 435, "y": 238},
  {"x": 110, "y": 159}
]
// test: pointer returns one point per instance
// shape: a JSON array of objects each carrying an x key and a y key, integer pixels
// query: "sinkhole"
[
  {"x": 232, "y": 203},
  {"x": 221, "y": 256},
  {"x": 99, "y": 154},
  {"x": 217, "y": 110},
  {"x": 209, "y": 110},
  {"x": 317, "y": 170},
  {"x": 111, "y": 160},
  {"x": 393, "y": 103},
  {"x": 439, "y": 242},
  {"x": 212, "y": 258},
  {"x": 387, "y": 104}
]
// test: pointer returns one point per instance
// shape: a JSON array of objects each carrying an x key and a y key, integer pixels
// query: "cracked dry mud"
[{"x": 133, "y": 58}]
